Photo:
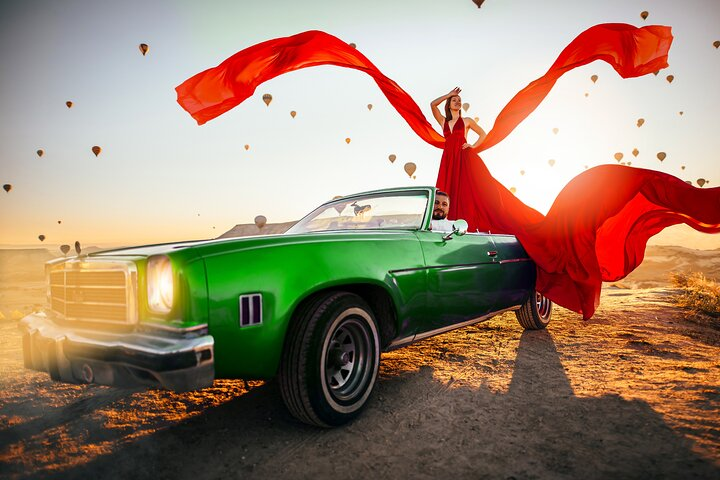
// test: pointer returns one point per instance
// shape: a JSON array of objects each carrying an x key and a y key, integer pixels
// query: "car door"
[
  {"x": 518, "y": 272},
  {"x": 462, "y": 277}
]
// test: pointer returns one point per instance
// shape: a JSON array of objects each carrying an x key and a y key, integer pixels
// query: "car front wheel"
[
  {"x": 331, "y": 359},
  {"x": 536, "y": 312}
]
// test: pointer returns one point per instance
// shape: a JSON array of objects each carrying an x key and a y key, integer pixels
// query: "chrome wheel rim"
[
  {"x": 347, "y": 367},
  {"x": 543, "y": 305}
]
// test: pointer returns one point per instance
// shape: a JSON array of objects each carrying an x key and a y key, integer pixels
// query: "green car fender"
[{"x": 286, "y": 270}]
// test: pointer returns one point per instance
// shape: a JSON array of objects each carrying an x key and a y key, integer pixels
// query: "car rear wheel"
[
  {"x": 536, "y": 312},
  {"x": 331, "y": 359}
]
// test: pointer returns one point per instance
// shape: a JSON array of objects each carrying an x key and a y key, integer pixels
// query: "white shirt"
[{"x": 443, "y": 225}]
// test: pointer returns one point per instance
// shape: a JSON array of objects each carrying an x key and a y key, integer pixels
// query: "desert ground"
[{"x": 632, "y": 393}]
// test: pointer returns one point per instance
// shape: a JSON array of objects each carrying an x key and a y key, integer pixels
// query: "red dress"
[{"x": 452, "y": 175}]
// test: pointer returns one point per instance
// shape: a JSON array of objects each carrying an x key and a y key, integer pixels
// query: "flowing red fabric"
[
  {"x": 595, "y": 231},
  {"x": 217, "y": 90},
  {"x": 599, "y": 224}
]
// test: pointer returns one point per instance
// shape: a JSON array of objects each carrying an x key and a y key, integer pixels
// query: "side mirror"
[{"x": 460, "y": 228}]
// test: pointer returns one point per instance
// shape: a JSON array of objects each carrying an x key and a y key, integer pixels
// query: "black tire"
[
  {"x": 330, "y": 360},
  {"x": 536, "y": 312}
]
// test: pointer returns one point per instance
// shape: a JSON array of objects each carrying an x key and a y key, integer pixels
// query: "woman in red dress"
[{"x": 453, "y": 165}]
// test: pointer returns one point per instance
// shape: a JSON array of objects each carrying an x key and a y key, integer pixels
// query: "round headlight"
[{"x": 160, "y": 284}]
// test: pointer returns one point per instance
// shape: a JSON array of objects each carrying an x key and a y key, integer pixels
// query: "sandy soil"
[{"x": 632, "y": 393}]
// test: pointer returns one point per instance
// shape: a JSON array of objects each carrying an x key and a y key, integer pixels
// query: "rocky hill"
[{"x": 250, "y": 229}]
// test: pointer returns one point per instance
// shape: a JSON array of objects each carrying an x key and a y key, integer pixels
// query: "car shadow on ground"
[{"x": 420, "y": 427}]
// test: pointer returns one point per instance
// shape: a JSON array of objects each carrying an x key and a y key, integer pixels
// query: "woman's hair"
[{"x": 448, "y": 115}]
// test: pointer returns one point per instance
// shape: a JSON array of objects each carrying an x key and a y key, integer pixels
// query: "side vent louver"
[{"x": 250, "y": 309}]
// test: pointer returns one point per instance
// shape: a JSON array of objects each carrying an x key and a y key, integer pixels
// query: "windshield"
[{"x": 403, "y": 210}]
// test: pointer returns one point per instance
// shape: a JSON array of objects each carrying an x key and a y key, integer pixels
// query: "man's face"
[{"x": 441, "y": 208}]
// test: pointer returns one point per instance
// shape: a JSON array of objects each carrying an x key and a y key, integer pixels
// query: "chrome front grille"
[{"x": 89, "y": 290}]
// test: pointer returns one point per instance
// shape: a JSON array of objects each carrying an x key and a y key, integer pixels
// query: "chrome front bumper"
[{"x": 81, "y": 355}]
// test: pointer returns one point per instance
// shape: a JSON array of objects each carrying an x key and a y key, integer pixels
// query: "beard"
[{"x": 438, "y": 215}]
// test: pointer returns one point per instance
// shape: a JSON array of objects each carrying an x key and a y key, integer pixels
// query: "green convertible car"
[{"x": 315, "y": 306}]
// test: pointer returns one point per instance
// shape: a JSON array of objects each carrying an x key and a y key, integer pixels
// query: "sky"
[{"x": 160, "y": 177}]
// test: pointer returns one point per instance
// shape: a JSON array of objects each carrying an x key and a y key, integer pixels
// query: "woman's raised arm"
[{"x": 434, "y": 105}]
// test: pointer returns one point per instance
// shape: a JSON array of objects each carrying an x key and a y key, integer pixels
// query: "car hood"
[{"x": 236, "y": 243}]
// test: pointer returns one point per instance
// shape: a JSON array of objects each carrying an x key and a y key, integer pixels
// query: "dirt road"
[{"x": 632, "y": 393}]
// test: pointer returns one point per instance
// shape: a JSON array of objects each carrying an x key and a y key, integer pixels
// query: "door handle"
[{"x": 492, "y": 253}]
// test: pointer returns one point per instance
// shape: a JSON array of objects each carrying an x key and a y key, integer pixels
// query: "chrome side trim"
[
  {"x": 514, "y": 260},
  {"x": 454, "y": 267},
  {"x": 401, "y": 342},
  {"x": 466, "y": 323}
]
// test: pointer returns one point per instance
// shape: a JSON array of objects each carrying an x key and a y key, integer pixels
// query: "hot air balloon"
[
  {"x": 353, "y": 45},
  {"x": 65, "y": 249},
  {"x": 59, "y": 222},
  {"x": 267, "y": 98},
  {"x": 339, "y": 207},
  {"x": 556, "y": 130},
  {"x": 681, "y": 112},
  {"x": 77, "y": 247},
  {"x": 682, "y": 167},
  {"x": 522, "y": 172},
  {"x": 670, "y": 78},
  {"x": 551, "y": 162},
  {"x": 96, "y": 150},
  {"x": 260, "y": 221},
  {"x": 640, "y": 122},
  {"x": 661, "y": 156},
  {"x": 656, "y": 72},
  {"x": 513, "y": 190},
  {"x": 392, "y": 157},
  {"x": 369, "y": 106},
  {"x": 68, "y": 104},
  {"x": 347, "y": 140},
  {"x": 465, "y": 106},
  {"x": 477, "y": 119},
  {"x": 701, "y": 181},
  {"x": 40, "y": 152},
  {"x": 618, "y": 156},
  {"x": 7, "y": 187},
  {"x": 594, "y": 78},
  {"x": 143, "y": 48},
  {"x": 410, "y": 168},
  {"x": 716, "y": 43},
  {"x": 689, "y": 182},
  {"x": 635, "y": 152},
  {"x": 478, "y": 2},
  {"x": 629, "y": 163},
  {"x": 41, "y": 238},
  {"x": 586, "y": 94},
  {"x": 293, "y": 113},
  {"x": 644, "y": 15},
  {"x": 247, "y": 147}
]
